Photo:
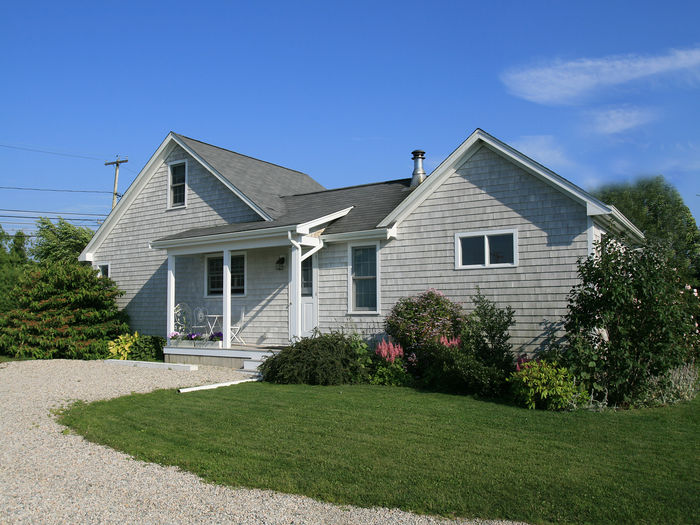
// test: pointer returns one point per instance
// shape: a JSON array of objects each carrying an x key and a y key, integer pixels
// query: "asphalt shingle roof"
[
  {"x": 371, "y": 203},
  {"x": 262, "y": 182}
]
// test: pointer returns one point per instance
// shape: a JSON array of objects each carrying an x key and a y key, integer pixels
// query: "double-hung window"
[
  {"x": 177, "y": 184},
  {"x": 215, "y": 275},
  {"x": 486, "y": 249},
  {"x": 363, "y": 289}
]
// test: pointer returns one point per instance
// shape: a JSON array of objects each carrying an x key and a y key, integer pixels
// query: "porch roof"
[{"x": 370, "y": 204}]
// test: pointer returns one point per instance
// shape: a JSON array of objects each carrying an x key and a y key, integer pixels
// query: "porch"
[{"x": 243, "y": 357}]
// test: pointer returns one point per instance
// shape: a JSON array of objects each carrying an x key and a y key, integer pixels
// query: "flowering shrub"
[
  {"x": 414, "y": 321},
  {"x": 630, "y": 320},
  {"x": 539, "y": 384},
  {"x": 476, "y": 362}
]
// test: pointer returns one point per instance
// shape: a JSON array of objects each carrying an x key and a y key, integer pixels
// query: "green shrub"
[
  {"x": 478, "y": 362},
  {"x": 414, "y": 321},
  {"x": 61, "y": 310},
  {"x": 539, "y": 384},
  {"x": 324, "y": 359},
  {"x": 137, "y": 347},
  {"x": 629, "y": 320}
]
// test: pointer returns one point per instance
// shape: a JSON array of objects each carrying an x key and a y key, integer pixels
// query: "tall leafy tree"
[
  {"x": 13, "y": 261},
  {"x": 59, "y": 242},
  {"x": 657, "y": 208}
]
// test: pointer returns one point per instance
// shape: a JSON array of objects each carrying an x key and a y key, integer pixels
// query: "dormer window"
[{"x": 177, "y": 184}]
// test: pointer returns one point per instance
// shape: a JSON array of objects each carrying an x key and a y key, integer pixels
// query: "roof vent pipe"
[{"x": 418, "y": 171}]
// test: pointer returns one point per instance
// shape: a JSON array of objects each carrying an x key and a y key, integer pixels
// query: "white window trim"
[
  {"x": 377, "y": 246},
  {"x": 206, "y": 275},
  {"x": 96, "y": 266},
  {"x": 170, "y": 179},
  {"x": 485, "y": 234}
]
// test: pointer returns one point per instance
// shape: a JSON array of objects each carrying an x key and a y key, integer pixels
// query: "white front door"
[{"x": 309, "y": 287}]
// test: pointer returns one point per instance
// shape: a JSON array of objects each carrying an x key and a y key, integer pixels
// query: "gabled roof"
[
  {"x": 469, "y": 147},
  {"x": 369, "y": 203},
  {"x": 262, "y": 182}
]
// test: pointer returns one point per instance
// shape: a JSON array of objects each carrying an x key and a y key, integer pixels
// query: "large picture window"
[
  {"x": 498, "y": 248},
  {"x": 177, "y": 184},
  {"x": 215, "y": 275},
  {"x": 364, "y": 279}
]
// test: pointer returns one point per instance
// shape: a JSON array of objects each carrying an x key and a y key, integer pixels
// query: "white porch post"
[
  {"x": 170, "y": 295},
  {"x": 226, "y": 307},
  {"x": 295, "y": 290}
]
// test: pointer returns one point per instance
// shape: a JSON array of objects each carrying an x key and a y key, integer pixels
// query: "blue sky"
[{"x": 597, "y": 91}]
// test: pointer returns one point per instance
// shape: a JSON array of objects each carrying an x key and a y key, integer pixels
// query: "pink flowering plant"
[{"x": 388, "y": 366}]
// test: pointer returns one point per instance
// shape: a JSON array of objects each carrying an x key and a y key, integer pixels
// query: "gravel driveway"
[{"x": 51, "y": 477}]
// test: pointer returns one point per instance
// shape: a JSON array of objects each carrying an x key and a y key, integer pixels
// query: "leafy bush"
[
  {"x": 324, "y": 359},
  {"x": 137, "y": 347},
  {"x": 476, "y": 362},
  {"x": 61, "y": 310},
  {"x": 539, "y": 384},
  {"x": 387, "y": 366},
  {"x": 414, "y": 321},
  {"x": 678, "y": 384},
  {"x": 629, "y": 320}
]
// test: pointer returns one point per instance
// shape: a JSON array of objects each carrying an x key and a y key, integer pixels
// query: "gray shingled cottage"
[{"x": 268, "y": 250}]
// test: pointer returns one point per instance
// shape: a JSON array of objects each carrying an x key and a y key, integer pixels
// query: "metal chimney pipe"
[{"x": 418, "y": 171}]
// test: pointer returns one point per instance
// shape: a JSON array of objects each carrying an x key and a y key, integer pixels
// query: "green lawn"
[{"x": 423, "y": 452}]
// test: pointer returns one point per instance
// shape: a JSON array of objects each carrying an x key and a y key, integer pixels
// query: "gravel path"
[{"x": 47, "y": 476}]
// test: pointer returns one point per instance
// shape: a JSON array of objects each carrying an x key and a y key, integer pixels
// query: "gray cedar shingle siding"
[
  {"x": 486, "y": 193},
  {"x": 140, "y": 271}
]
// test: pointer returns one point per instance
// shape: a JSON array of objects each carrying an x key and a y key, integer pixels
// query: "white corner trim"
[
  {"x": 377, "y": 252},
  {"x": 485, "y": 234},
  {"x": 590, "y": 235},
  {"x": 257, "y": 209},
  {"x": 305, "y": 227}
]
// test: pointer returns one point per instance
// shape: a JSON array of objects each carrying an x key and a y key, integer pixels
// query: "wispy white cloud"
[
  {"x": 616, "y": 120},
  {"x": 566, "y": 82},
  {"x": 545, "y": 150}
]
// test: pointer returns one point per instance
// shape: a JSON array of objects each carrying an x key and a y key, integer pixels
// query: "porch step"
[{"x": 251, "y": 364}]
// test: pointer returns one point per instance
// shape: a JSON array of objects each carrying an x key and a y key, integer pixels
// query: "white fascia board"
[
  {"x": 305, "y": 228},
  {"x": 86, "y": 257},
  {"x": 128, "y": 198},
  {"x": 222, "y": 238},
  {"x": 257, "y": 209},
  {"x": 380, "y": 233}
]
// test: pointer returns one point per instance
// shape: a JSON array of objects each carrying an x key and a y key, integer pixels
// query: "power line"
[
  {"x": 57, "y": 212},
  {"x": 37, "y": 150},
  {"x": 52, "y": 189},
  {"x": 83, "y": 219}
]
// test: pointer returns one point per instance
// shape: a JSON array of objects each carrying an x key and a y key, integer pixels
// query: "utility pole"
[{"x": 116, "y": 177}]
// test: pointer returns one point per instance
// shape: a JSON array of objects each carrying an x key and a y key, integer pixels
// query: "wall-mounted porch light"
[{"x": 279, "y": 264}]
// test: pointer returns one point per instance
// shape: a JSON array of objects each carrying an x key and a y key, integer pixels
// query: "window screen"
[
  {"x": 177, "y": 185},
  {"x": 364, "y": 278}
]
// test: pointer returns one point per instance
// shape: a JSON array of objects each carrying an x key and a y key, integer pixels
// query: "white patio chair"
[
  {"x": 237, "y": 328},
  {"x": 200, "y": 320},
  {"x": 183, "y": 318}
]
